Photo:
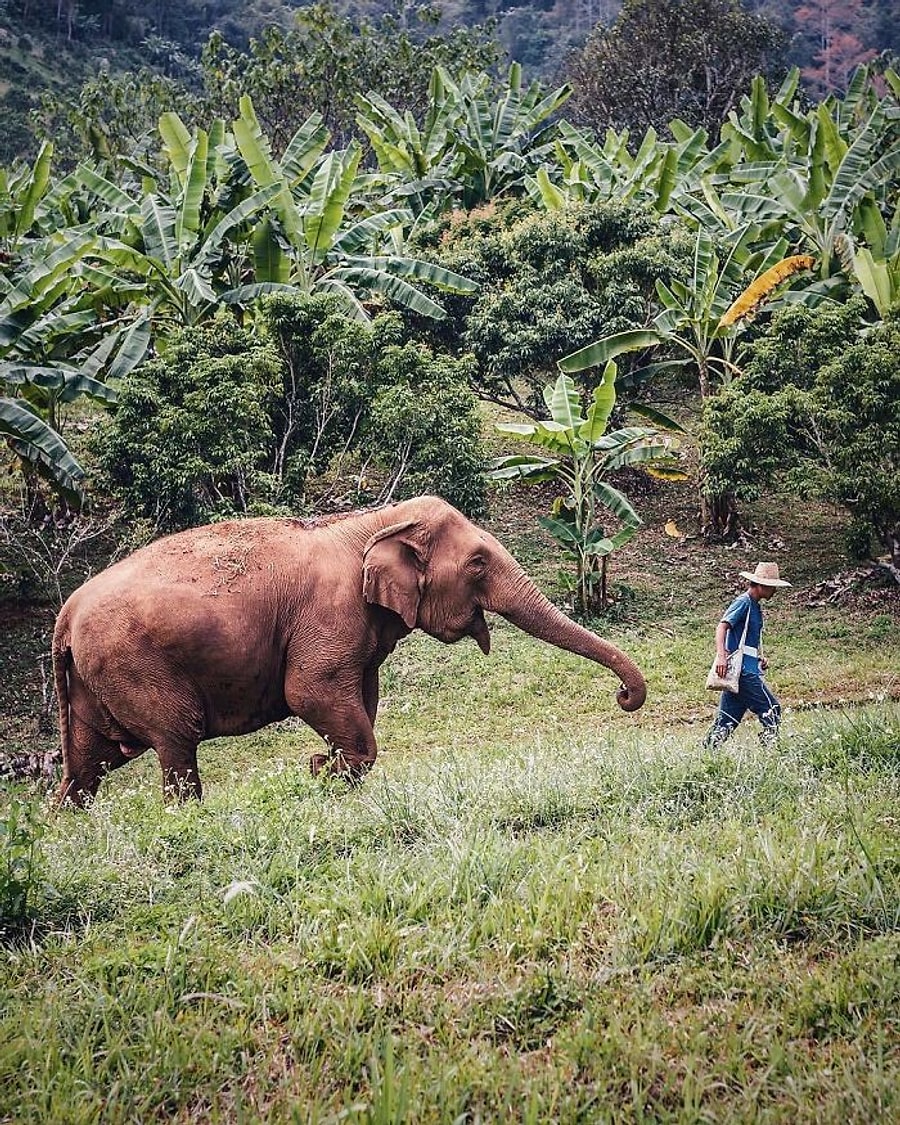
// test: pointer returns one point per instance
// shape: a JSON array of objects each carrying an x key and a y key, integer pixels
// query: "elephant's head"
[{"x": 441, "y": 573}]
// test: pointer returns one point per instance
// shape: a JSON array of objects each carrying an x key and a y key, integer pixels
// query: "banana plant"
[
  {"x": 692, "y": 319},
  {"x": 823, "y": 175},
  {"x": 696, "y": 332},
  {"x": 177, "y": 251},
  {"x": 472, "y": 146},
  {"x": 21, "y": 191},
  {"x": 653, "y": 175},
  {"x": 580, "y": 456},
  {"x": 54, "y": 348},
  {"x": 320, "y": 236},
  {"x": 498, "y": 141},
  {"x": 416, "y": 165}
]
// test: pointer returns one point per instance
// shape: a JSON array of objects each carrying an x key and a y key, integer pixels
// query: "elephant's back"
[{"x": 206, "y": 562}]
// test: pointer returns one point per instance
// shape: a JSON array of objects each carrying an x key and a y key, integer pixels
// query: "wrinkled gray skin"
[{"x": 223, "y": 629}]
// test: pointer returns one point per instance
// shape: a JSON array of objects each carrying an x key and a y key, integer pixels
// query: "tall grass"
[{"x": 622, "y": 928}]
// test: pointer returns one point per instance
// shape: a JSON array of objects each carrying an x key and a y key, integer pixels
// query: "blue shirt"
[{"x": 736, "y": 615}]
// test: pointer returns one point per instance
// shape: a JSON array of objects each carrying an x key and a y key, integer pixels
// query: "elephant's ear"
[{"x": 394, "y": 570}]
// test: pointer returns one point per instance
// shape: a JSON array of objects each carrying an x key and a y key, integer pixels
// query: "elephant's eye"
[{"x": 476, "y": 565}]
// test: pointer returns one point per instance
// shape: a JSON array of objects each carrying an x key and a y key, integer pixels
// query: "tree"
[
  {"x": 191, "y": 436},
  {"x": 697, "y": 329},
  {"x": 584, "y": 455},
  {"x": 819, "y": 407},
  {"x": 322, "y": 62},
  {"x": 687, "y": 59},
  {"x": 367, "y": 413},
  {"x": 833, "y": 29},
  {"x": 313, "y": 411},
  {"x": 548, "y": 283},
  {"x": 112, "y": 116}
]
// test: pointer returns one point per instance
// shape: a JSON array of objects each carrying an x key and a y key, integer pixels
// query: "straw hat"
[{"x": 766, "y": 574}]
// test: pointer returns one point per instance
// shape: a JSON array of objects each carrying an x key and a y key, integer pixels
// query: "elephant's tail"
[{"x": 61, "y": 656}]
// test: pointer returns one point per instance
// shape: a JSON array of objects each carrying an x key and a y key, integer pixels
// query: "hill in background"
[{"x": 52, "y": 48}]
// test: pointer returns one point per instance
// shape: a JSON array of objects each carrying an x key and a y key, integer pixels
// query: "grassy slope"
[
  {"x": 34, "y": 62},
  {"x": 537, "y": 908}
]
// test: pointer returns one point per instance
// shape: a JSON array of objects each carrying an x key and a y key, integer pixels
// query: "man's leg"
[
  {"x": 765, "y": 706},
  {"x": 729, "y": 713}
]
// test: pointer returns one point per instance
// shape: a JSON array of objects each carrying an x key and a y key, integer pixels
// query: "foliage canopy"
[
  {"x": 665, "y": 59},
  {"x": 818, "y": 406}
]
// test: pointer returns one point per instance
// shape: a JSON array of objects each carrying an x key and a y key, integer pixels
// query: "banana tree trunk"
[{"x": 719, "y": 516}]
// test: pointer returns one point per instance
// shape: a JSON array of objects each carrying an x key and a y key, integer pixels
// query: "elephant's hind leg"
[
  {"x": 181, "y": 774},
  {"x": 91, "y": 755}
]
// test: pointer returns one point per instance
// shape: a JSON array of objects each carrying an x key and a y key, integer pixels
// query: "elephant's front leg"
[
  {"x": 340, "y": 714},
  {"x": 351, "y": 741}
]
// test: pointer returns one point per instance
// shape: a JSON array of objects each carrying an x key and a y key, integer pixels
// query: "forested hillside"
[{"x": 610, "y": 52}]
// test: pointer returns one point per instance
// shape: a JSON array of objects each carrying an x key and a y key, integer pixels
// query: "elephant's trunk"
[{"x": 515, "y": 597}]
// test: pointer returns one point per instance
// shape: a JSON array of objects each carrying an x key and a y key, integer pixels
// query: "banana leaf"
[
  {"x": 609, "y": 347},
  {"x": 35, "y": 441},
  {"x": 328, "y": 198},
  {"x": 196, "y": 179},
  {"x": 617, "y": 503},
  {"x": 523, "y": 466},
  {"x": 564, "y": 403},
  {"x": 176, "y": 142},
  {"x": 603, "y": 402},
  {"x": 38, "y": 180},
  {"x": 158, "y": 231},
  {"x": 364, "y": 277}
]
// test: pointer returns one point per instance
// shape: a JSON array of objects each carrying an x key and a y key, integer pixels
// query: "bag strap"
[{"x": 740, "y": 647}]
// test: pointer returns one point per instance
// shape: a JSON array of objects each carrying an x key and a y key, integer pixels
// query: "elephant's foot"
[
  {"x": 74, "y": 793},
  {"x": 338, "y": 765}
]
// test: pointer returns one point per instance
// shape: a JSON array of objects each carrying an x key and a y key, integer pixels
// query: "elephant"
[{"x": 223, "y": 629}]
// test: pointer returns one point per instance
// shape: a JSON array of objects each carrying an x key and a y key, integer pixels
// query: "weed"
[{"x": 21, "y": 829}]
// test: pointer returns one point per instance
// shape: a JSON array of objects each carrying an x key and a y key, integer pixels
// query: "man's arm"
[{"x": 721, "y": 654}]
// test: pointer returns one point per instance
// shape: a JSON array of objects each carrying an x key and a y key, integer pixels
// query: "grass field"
[{"x": 537, "y": 908}]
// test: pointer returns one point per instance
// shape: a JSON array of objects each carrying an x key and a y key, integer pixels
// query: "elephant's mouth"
[
  {"x": 476, "y": 627},
  {"x": 479, "y": 630}
]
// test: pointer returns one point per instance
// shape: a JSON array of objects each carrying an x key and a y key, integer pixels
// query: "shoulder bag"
[{"x": 732, "y": 678}]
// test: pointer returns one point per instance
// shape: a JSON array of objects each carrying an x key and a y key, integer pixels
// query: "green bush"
[
  {"x": 316, "y": 410},
  {"x": 191, "y": 437},
  {"x": 819, "y": 408},
  {"x": 424, "y": 429},
  {"x": 550, "y": 283},
  {"x": 370, "y": 399}
]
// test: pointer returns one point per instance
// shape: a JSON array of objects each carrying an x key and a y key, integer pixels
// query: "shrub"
[
  {"x": 424, "y": 429},
  {"x": 551, "y": 283},
  {"x": 21, "y": 828},
  {"x": 191, "y": 437},
  {"x": 404, "y": 412},
  {"x": 820, "y": 407},
  {"x": 226, "y": 422}
]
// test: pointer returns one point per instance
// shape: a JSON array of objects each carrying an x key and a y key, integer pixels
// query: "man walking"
[{"x": 743, "y": 620}]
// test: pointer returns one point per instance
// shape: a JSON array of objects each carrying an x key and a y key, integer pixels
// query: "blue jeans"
[{"x": 752, "y": 695}]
